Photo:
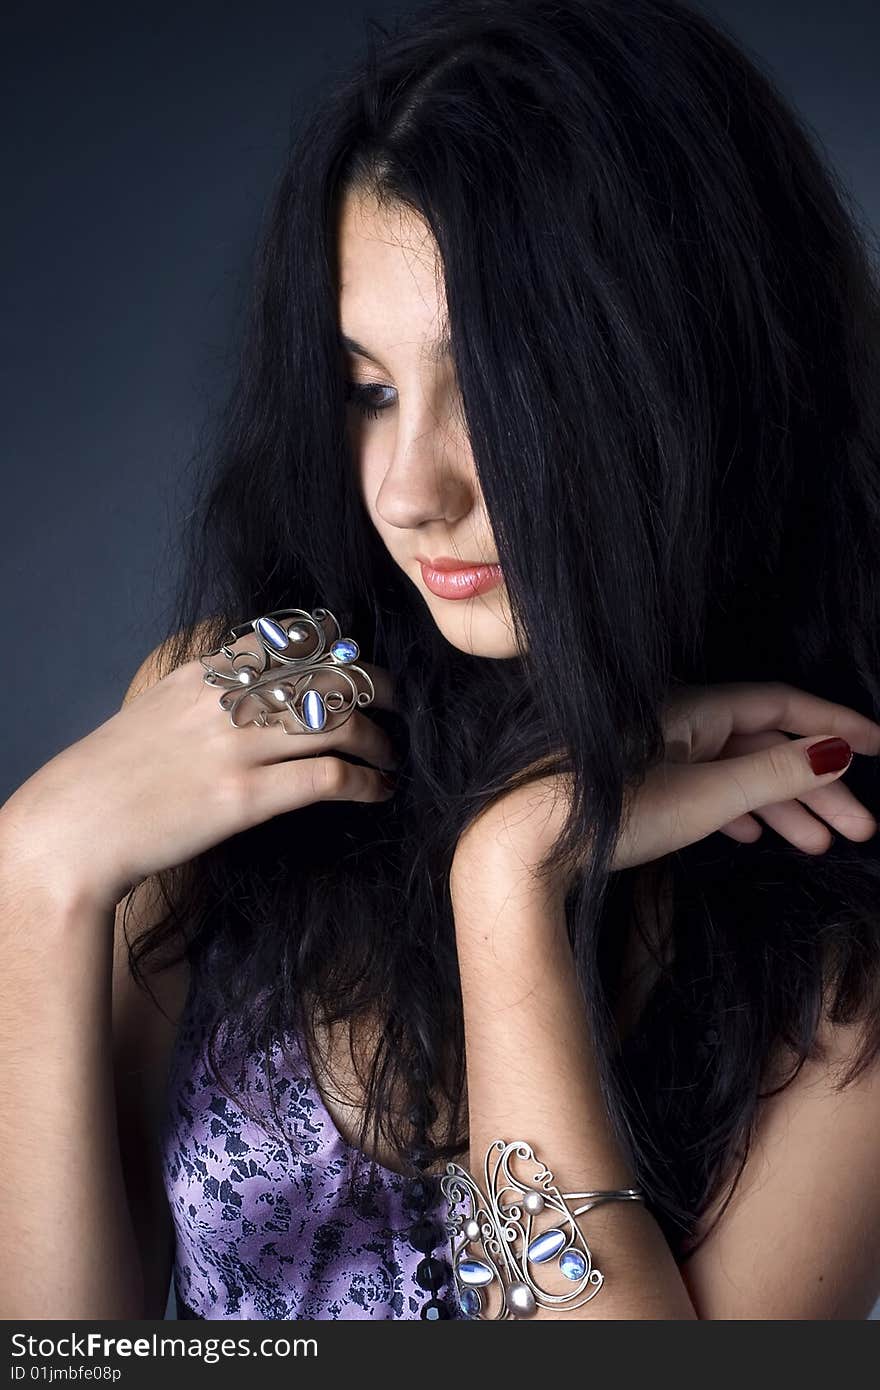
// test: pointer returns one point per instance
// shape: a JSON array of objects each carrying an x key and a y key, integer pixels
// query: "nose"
[{"x": 425, "y": 482}]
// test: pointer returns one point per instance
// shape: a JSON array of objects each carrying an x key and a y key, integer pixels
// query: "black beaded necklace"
[{"x": 427, "y": 1233}]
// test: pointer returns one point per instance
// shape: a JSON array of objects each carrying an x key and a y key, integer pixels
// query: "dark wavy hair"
[{"x": 664, "y": 322}]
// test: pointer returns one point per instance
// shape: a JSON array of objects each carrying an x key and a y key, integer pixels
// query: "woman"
[{"x": 558, "y": 402}]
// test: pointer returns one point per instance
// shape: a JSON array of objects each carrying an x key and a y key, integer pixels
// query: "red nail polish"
[{"x": 829, "y": 755}]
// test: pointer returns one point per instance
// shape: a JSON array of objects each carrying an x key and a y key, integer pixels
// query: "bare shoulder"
[
  {"x": 173, "y": 652},
  {"x": 800, "y": 1238}
]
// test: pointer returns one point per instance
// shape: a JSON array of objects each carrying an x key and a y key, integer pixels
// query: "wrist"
[{"x": 32, "y": 870}]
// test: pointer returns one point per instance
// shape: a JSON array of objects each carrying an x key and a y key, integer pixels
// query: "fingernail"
[
  {"x": 388, "y": 779},
  {"x": 829, "y": 755}
]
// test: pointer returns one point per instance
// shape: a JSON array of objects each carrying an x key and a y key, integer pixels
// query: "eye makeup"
[{"x": 359, "y": 396}]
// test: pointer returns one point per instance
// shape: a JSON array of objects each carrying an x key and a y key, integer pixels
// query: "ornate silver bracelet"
[{"x": 503, "y": 1228}]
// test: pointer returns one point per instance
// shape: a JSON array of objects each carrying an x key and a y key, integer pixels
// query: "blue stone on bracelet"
[
  {"x": 345, "y": 649},
  {"x": 470, "y": 1302},
  {"x": 546, "y": 1245},
  {"x": 573, "y": 1264},
  {"x": 474, "y": 1272}
]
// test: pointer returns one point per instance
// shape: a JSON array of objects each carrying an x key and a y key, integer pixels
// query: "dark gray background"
[{"x": 141, "y": 146}]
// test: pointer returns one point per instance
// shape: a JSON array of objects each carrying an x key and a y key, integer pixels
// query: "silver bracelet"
[{"x": 503, "y": 1228}]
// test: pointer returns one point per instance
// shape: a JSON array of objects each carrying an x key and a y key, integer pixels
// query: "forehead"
[{"x": 389, "y": 266}]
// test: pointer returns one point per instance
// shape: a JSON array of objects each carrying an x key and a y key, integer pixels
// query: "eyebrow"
[{"x": 440, "y": 349}]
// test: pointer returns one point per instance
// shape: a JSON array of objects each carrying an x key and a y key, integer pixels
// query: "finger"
[
  {"x": 358, "y": 736},
  {"x": 282, "y": 736},
  {"x": 795, "y": 824},
  {"x": 288, "y": 786},
  {"x": 383, "y": 685},
  {"x": 835, "y": 804},
  {"x": 364, "y": 738},
  {"x": 745, "y": 829},
  {"x": 710, "y": 714},
  {"x": 715, "y": 793},
  {"x": 842, "y": 811}
]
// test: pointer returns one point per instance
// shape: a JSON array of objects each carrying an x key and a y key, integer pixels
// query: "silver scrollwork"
[
  {"x": 501, "y": 1223},
  {"x": 263, "y": 686}
]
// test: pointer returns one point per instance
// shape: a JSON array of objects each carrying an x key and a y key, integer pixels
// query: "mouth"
[{"x": 454, "y": 579}]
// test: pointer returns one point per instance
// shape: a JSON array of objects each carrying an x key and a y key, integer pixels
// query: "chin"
[
  {"x": 483, "y": 634},
  {"x": 501, "y": 650}
]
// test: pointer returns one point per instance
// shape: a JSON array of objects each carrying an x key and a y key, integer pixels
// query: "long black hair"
[{"x": 664, "y": 321}]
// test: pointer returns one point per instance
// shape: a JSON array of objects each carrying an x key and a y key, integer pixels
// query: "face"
[{"x": 406, "y": 425}]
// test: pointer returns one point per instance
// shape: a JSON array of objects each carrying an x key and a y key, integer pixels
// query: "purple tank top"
[{"x": 266, "y": 1230}]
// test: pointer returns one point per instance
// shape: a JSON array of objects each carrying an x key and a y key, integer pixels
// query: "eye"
[{"x": 360, "y": 398}]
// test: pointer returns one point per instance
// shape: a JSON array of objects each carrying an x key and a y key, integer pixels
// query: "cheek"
[
  {"x": 368, "y": 463},
  {"x": 357, "y": 454},
  {"x": 369, "y": 474}
]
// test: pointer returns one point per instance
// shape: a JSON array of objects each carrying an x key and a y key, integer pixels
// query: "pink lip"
[
  {"x": 450, "y": 562},
  {"x": 464, "y": 581}
]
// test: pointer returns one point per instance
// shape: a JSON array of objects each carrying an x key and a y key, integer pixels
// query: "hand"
[
  {"x": 726, "y": 757},
  {"x": 167, "y": 777}
]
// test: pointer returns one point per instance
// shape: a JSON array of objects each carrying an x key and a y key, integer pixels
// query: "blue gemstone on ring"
[
  {"x": 314, "y": 711},
  {"x": 273, "y": 633},
  {"x": 346, "y": 649},
  {"x": 573, "y": 1264}
]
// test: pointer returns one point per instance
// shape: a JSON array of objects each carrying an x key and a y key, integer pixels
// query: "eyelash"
[{"x": 357, "y": 395}]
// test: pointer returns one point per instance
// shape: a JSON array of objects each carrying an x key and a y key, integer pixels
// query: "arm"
[
  {"x": 531, "y": 1076},
  {"x": 801, "y": 1236},
  {"x": 83, "y": 1052},
  {"x": 531, "y": 1062},
  {"x": 69, "y": 1248}
]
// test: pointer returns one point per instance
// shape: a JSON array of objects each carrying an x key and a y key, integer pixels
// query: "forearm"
[
  {"x": 532, "y": 1076},
  {"x": 68, "y": 1244}
]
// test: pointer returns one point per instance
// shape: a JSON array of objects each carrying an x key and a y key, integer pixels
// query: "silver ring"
[{"x": 262, "y": 687}]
